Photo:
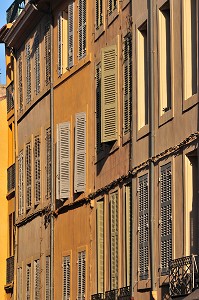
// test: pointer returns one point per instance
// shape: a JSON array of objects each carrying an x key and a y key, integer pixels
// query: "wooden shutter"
[
  {"x": 19, "y": 283},
  {"x": 60, "y": 43},
  {"x": 47, "y": 53},
  {"x": 128, "y": 232},
  {"x": 37, "y": 170},
  {"x": 70, "y": 35},
  {"x": 28, "y": 282},
  {"x": 98, "y": 109},
  {"x": 98, "y": 13},
  {"x": 28, "y": 176},
  {"x": 48, "y": 162},
  {"x": 81, "y": 275},
  {"x": 80, "y": 152},
  {"x": 21, "y": 183},
  {"x": 112, "y": 5},
  {"x": 66, "y": 277},
  {"x": 63, "y": 160},
  {"x": 28, "y": 73},
  {"x": 82, "y": 28},
  {"x": 166, "y": 217},
  {"x": 114, "y": 239},
  {"x": 47, "y": 289},
  {"x": 109, "y": 94},
  {"x": 20, "y": 83},
  {"x": 37, "y": 280},
  {"x": 143, "y": 227},
  {"x": 127, "y": 79},
  {"x": 100, "y": 246},
  {"x": 37, "y": 64}
]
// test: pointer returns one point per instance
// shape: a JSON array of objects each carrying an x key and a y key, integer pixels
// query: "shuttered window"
[
  {"x": 47, "y": 52},
  {"x": 28, "y": 73},
  {"x": 109, "y": 94},
  {"x": 21, "y": 183},
  {"x": 20, "y": 83},
  {"x": 81, "y": 275},
  {"x": 114, "y": 239},
  {"x": 127, "y": 83},
  {"x": 37, "y": 170},
  {"x": 82, "y": 28},
  {"x": 98, "y": 109},
  {"x": 48, "y": 162},
  {"x": 47, "y": 289},
  {"x": 19, "y": 283},
  {"x": 80, "y": 152},
  {"x": 98, "y": 13},
  {"x": 37, "y": 64},
  {"x": 165, "y": 217},
  {"x": 70, "y": 35},
  {"x": 60, "y": 44},
  {"x": 128, "y": 233},
  {"x": 100, "y": 246},
  {"x": 28, "y": 282},
  {"x": 63, "y": 161},
  {"x": 37, "y": 279},
  {"x": 66, "y": 277},
  {"x": 28, "y": 176},
  {"x": 143, "y": 227},
  {"x": 112, "y": 5}
]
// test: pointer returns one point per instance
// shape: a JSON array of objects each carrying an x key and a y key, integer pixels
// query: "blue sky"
[{"x": 4, "y": 5}]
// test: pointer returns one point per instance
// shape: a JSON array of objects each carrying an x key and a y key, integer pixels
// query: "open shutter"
[
  {"x": 37, "y": 170},
  {"x": 28, "y": 73},
  {"x": 98, "y": 108},
  {"x": 37, "y": 280},
  {"x": 21, "y": 184},
  {"x": 128, "y": 231},
  {"x": 47, "y": 52},
  {"x": 28, "y": 177},
  {"x": 37, "y": 64},
  {"x": 80, "y": 152},
  {"x": 82, "y": 28},
  {"x": 20, "y": 82},
  {"x": 60, "y": 43},
  {"x": 70, "y": 34},
  {"x": 19, "y": 283},
  {"x": 114, "y": 239},
  {"x": 82, "y": 275},
  {"x": 100, "y": 246},
  {"x": 166, "y": 217},
  {"x": 109, "y": 94},
  {"x": 48, "y": 162},
  {"x": 28, "y": 282},
  {"x": 47, "y": 289},
  {"x": 66, "y": 277},
  {"x": 143, "y": 227}
]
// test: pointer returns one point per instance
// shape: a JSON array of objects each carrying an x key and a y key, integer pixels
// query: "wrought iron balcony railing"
[
  {"x": 99, "y": 296},
  {"x": 111, "y": 295},
  {"x": 14, "y": 10},
  {"x": 11, "y": 178},
  {"x": 124, "y": 293},
  {"x": 183, "y": 275},
  {"x": 10, "y": 97},
  {"x": 9, "y": 269}
]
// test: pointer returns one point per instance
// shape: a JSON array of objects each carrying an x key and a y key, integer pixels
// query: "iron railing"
[
  {"x": 10, "y": 270},
  {"x": 99, "y": 296},
  {"x": 183, "y": 275},
  {"x": 124, "y": 293},
  {"x": 10, "y": 97},
  {"x": 14, "y": 10},
  {"x": 111, "y": 295},
  {"x": 11, "y": 178}
]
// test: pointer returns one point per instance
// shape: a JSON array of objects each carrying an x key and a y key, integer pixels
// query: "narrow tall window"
[
  {"x": 19, "y": 284},
  {"x": 48, "y": 163},
  {"x": 142, "y": 77},
  {"x": 20, "y": 83},
  {"x": 98, "y": 13},
  {"x": 47, "y": 52},
  {"x": 166, "y": 217},
  {"x": 82, "y": 28},
  {"x": 66, "y": 277},
  {"x": 98, "y": 108},
  {"x": 20, "y": 183},
  {"x": 37, "y": 64},
  {"x": 28, "y": 282},
  {"x": 28, "y": 177},
  {"x": 37, "y": 170},
  {"x": 28, "y": 73},
  {"x": 60, "y": 43},
  {"x": 114, "y": 240},
  {"x": 100, "y": 246},
  {"x": 127, "y": 233},
  {"x": 47, "y": 288},
  {"x": 37, "y": 279},
  {"x": 81, "y": 275},
  {"x": 143, "y": 227},
  {"x": 70, "y": 35},
  {"x": 112, "y": 5},
  {"x": 11, "y": 234}
]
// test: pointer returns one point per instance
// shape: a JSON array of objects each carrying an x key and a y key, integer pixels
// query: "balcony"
[
  {"x": 183, "y": 275},
  {"x": 10, "y": 97},
  {"x": 11, "y": 178},
  {"x": 99, "y": 296},
  {"x": 9, "y": 269},
  {"x": 111, "y": 295},
  {"x": 123, "y": 293},
  {"x": 15, "y": 10}
]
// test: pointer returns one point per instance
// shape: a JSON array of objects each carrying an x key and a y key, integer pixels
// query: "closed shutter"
[
  {"x": 47, "y": 289},
  {"x": 109, "y": 94},
  {"x": 28, "y": 73},
  {"x": 98, "y": 109},
  {"x": 47, "y": 52},
  {"x": 82, "y": 28},
  {"x": 128, "y": 232},
  {"x": 63, "y": 160},
  {"x": 70, "y": 35},
  {"x": 37, "y": 280},
  {"x": 37, "y": 64},
  {"x": 60, "y": 44},
  {"x": 20, "y": 83},
  {"x": 80, "y": 152},
  {"x": 98, "y": 13},
  {"x": 81, "y": 275},
  {"x": 28, "y": 176},
  {"x": 66, "y": 277},
  {"x": 100, "y": 246},
  {"x": 143, "y": 227},
  {"x": 166, "y": 217},
  {"x": 21, "y": 183},
  {"x": 28, "y": 282},
  {"x": 37, "y": 170},
  {"x": 48, "y": 162},
  {"x": 19, "y": 283},
  {"x": 114, "y": 239},
  {"x": 127, "y": 88}
]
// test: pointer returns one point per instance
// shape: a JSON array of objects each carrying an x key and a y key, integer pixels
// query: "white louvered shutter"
[
  {"x": 47, "y": 52},
  {"x": 21, "y": 183},
  {"x": 114, "y": 239},
  {"x": 143, "y": 227},
  {"x": 70, "y": 35},
  {"x": 63, "y": 160},
  {"x": 28, "y": 73},
  {"x": 80, "y": 152},
  {"x": 166, "y": 217},
  {"x": 47, "y": 289},
  {"x": 60, "y": 44},
  {"x": 19, "y": 283},
  {"x": 28, "y": 282},
  {"x": 109, "y": 94},
  {"x": 28, "y": 177},
  {"x": 37, "y": 279},
  {"x": 81, "y": 275},
  {"x": 48, "y": 162},
  {"x": 98, "y": 109},
  {"x": 37, "y": 64},
  {"x": 66, "y": 277},
  {"x": 128, "y": 232},
  {"x": 82, "y": 28},
  {"x": 100, "y": 246},
  {"x": 20, "y": 82},
  {"x": 37, "y": 170}
]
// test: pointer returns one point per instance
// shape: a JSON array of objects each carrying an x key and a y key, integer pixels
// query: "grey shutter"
[
  {"x": 60, "y": 43},
  {"x": 28, "y": 73},
  {"x": 114, "y": 239},
  {"x": 47, "y": 288},
  {"x": 48, "y": 162},
  {"x": 47, "y": 53},
  {"x": 20, "y": 83},
  {"x": 70, "y": 35},
  {"x": 109, "y": 94},
  {"x": 19, "y": 284},
  {"x": 81, "y": 275},
  {"x": 166, "y": 217},
  {"x": 127, "y": 88},
  {"x": 80, "y": 152},
  {"x": 82, "y": 28},
  {"x": 37, "y": 64},
  {"x": 28, "y": 177},
  {"x": 28, "y": 282},
  {"x": 37, "y": 280},
  {"x": 100, "y": 246},
  {"x": 98, "y": 108},
  {"x": 66, "y": 277},
  {"x": 143, "y": 227},
  {"x": 37, "y": 170},
  {"x": 128, "y": 231},
  {"x": 63, "y": 160},
  {"x": 21, "y": 183}
]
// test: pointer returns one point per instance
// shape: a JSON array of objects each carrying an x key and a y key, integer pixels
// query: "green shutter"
[
  {"x": 114, "y": 239},
  {"x": 100, "y": 246}
]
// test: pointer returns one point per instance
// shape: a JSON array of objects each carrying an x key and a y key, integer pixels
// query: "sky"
[{"x": 4, "y": 5}]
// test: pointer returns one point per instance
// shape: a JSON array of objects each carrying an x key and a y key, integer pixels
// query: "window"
[
  {"x": 109, "y": 94},
  {"x": 20, "y": 83},
  {"x": 98, "y": 109},
  {"x": 142, "y": 77},
  {"x": 37, "y": 63},
  {"x": 48, "y": 163},
  {"x": 47, "y": 53},
  {"x": 112, "y": 5},
  {"x": 19, "y": 283},
  {"x": 28, "y": 73},
  {"x": 165, "y": 217},
  {"x": 143, "y": 227},
  {"x": 80, "y": 152},
  {"x": 82, "y": 28},
  {"x": 60, "y": 44},
  {"x": 98, "y": 13},
  {"x": 70, "y": 35},
  {"x": 66, "y": 277},
  {"x": 127, "y": 83},
  {"x": 189, "y": 44},
  {"x": 28, "y": 176},
  {"x": 28, "y": 282},
  {"x": 37, "y": 279},
  {"x": 164, "y": 59},
  {"x": 20, "y": 183},
  {"x": 37, "y": 170},
  {"x": 81, "y": 275},
  {"x": 47, "y": 289},
  {"x": 114, "y": 240},
  {"x": 100, "y": 246},
  {"x": 63, "y": 161},
  {"x": 11, "y": 234}
]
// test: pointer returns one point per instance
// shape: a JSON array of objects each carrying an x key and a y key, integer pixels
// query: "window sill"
[
  {"x": 125, "y": 3},
  {"x": 113, "y": 16},
  {"x": 188, "y": 103},
  {"x": 99, "y": 31},
  {"x": 166, "y": 117},
  {"x": 142, "y": 132},
  {"x": 144, "y": 284}
]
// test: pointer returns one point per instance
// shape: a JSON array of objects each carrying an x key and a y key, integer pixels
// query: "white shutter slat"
[
  {"x": 28, "y": 73},
  {"x": 48, "y": 162},
  {"x": 37, "y": 64},
  {"x": 20, "y": 82},
  {"x": 21, "y": 184},
  {"x": 47, "y": 288},
  {"x": 100, "y": 246},
  {"x": 47, "y": 53},
  {"x": 82, "y": 28},
  {"x": 37, "y": 280},
  {"x": 28, "y": 282},
  {"x": 114, "y": 240},
  {"x": 70, "y": 34},
  {"x": 19, "y": 283},
  {"x": 37, "y": 170},
  {"x": 81, "y": 275},
  {"x": 60, "y": 42},
  {"x": 66, "y": 277},
  {"x": 28, "y": 177}
]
